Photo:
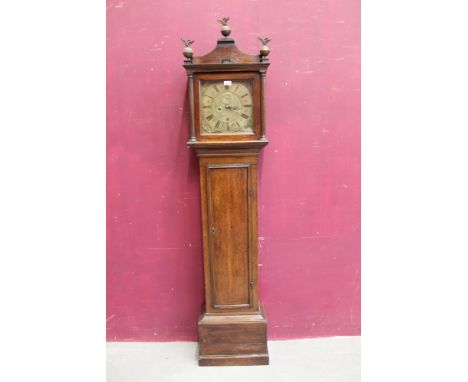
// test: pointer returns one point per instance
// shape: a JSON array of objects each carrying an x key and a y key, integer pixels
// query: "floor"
[{"x": 332, "y": 359}]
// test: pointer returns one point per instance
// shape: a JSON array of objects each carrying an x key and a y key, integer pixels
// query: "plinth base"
[{"x": 232, "y": 339}]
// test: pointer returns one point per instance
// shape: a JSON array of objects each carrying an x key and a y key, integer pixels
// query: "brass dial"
[{"x": 226, "y": 107}]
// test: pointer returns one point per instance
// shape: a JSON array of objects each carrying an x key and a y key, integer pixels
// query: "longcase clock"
[{"x": 227, "y": 131}]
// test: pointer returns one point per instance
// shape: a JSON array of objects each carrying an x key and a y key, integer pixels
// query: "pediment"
[{"x": 226, "y": 52}]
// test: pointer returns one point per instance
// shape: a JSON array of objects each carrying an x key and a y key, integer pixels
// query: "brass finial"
[
  {"x": 264, "y": 50},
  {"x": 188, "y": 52},
  {"x": 226, "y": 29}
]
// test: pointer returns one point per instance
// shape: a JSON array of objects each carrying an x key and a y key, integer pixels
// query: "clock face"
[{"x": 226, "y": 107}]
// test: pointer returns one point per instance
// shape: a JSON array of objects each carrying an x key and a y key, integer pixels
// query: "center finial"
[{"x": 226, "y": 29}]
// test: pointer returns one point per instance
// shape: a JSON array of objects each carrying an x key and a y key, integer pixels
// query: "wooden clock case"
[{"x": 232, "y": 326}]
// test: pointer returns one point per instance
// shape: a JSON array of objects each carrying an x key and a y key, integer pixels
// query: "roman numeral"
[
  {"x": 245, "y": 95},
  {"x": 216, "y": 88},
  {"x": 209, "y": 96},
  {"x": 244, "y": 116},
  {"x": 247, "y": 105},
  {"x": 206, "y": 107},
  {"x": 217, "y": 124},
  {"x": 237, "y": 123},
  {"x": 210, "y": 117}
]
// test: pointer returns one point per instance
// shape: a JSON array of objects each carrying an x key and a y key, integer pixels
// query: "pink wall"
[{"x": 309, "y": 174}]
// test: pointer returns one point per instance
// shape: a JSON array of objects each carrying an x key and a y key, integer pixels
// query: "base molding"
[
  {"x": 232, "y": 339},
  {"x": 232, "y": 360}
]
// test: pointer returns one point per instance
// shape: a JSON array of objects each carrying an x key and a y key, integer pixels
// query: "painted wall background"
[{"x": 309, "y": 199}]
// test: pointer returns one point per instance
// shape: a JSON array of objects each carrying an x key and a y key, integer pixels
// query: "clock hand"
[{"x": 229, "y": 107}]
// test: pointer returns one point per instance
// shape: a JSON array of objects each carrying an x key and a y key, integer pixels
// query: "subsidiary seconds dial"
[{"x": 226, "y": 107}]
